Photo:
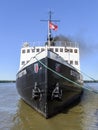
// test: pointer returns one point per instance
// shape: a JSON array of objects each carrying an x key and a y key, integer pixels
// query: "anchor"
[
  {"x": 36, "y": 92},
  {"x": 57, "y": 92}
]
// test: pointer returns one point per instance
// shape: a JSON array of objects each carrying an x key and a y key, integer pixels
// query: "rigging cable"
[{"x": 84, "y": 87}]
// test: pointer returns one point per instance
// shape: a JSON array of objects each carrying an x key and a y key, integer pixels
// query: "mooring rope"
[
  {"x": 86, "y": 75},
  {"x": 82, "y": 86}
]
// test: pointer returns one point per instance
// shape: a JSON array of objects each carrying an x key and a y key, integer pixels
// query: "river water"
[{"x": 17, "y": 115}]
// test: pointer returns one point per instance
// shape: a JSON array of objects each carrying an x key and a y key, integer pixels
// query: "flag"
[
  {"x": 53, "y": 26},
  {"x": 36, "y": 68}
]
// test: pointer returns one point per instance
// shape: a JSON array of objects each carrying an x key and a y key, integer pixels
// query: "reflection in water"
[
  {"x": 90, "y": 111},
  {"x": 27, "y": 118},
  {"x": 17, "y": 115},
  {"x": 80, "y": 116}
]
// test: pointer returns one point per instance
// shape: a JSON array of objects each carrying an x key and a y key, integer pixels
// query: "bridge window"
[
  {"x": 66, "y": 50},
  {"x": 61, "y": 49},
  {"x": 33, "y": 50},
  {"x": 28, "y": 50},
  {"x": 75, "y": 50},
  {"x": 71, "y": 50},
  {"x": 23, "y": 62},
  {"x": 42, "y": 49},
  {"x": 51, "y": 49},
  {"x": 56, "y": 49},
  {"x": 23, "y": 51},
  {"x": 27, "y": 61},
  {"x": 76, "y": 62},
  {"x": 71, "y": 62},
  {"x": 37, "y": 50}
]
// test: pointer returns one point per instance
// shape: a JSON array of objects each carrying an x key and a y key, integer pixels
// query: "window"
[
  {"x": 23, "y": 62},
  {"x": 75, "y": 50},
  {"x": 33, "y": 50},
  {"x": 66, "y": 50},
  {"x": 51, "y": 49},
  {"x": 76, "y": 62},
  {"x": 27, "y": 61},
  {"x": 23, "y": 51},
  {"x": 42, "y": 49},
  {"x": 61, "y": 49},
  {"x": 56, "y": 49},
  {"x": 37, "y": 50},
  {"x": 71, "y": 62},
  {"x": 28, "y": 50},
  {"x": 71, "y": 50}
]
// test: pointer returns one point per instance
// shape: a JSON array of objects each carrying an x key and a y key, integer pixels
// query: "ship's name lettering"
[
  {"x": 73, "y": 73},
  {"x": 24, "y": 72}
]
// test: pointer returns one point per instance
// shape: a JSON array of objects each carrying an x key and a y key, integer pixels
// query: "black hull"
[{"x": 46, "y": 91}]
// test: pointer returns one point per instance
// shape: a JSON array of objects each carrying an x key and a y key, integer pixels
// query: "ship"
[{"x": 49, "y": 77}]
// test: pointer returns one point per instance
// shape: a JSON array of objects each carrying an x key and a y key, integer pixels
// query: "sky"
[{"x": 20, "y": 22}]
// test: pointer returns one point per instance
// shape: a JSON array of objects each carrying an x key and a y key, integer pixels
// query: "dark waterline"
[{"x": 17, "y": 115}]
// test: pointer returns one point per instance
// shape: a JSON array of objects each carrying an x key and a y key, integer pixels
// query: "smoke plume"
[{"x": 85, "y": 48}]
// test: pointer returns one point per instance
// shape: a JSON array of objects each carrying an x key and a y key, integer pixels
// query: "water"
[{"x": 16, "y": 115}]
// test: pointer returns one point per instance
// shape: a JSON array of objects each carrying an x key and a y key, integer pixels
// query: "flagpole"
[
  {"x": 49, "y": 30},
  {"x": 49, "y": 35},
  {"x": 49, "y": 38}
]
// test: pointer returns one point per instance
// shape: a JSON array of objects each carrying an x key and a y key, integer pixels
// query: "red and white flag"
[
  {"x": 36, "y": 68},
  {"x": 53, "y": 26}
]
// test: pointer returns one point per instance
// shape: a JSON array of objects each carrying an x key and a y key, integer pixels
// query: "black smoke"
[{"x": 84, "y": 47}]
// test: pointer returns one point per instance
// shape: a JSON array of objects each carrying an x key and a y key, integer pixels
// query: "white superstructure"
[{"x": 69, "y": 53}]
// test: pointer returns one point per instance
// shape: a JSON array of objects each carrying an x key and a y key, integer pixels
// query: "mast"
[
  {"x": 49, "y": 38},
  {"x": 49, "y": 30}
]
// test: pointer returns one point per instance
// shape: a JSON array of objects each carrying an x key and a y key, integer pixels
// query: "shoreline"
[
  {"x": 13, "y": 81},
  {"x": 7, "y": 81},
  {"x": 90, "y": 81}
]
